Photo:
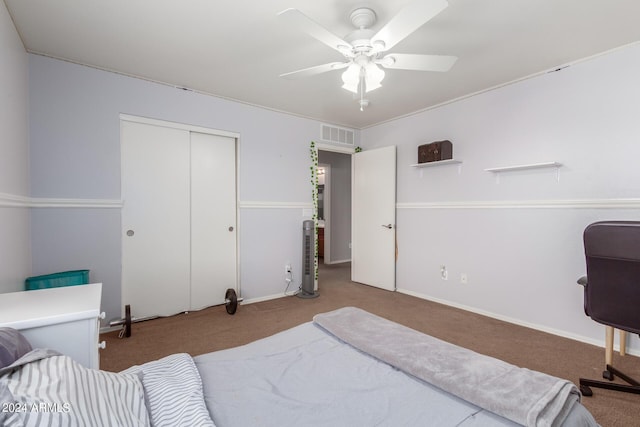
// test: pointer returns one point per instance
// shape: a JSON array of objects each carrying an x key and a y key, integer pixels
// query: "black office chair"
[{"x": 612, "y": 291}]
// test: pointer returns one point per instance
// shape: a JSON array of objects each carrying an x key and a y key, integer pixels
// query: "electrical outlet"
[
  {"x": 463, "y": 278},
  {"x": 444, "y": 274}
]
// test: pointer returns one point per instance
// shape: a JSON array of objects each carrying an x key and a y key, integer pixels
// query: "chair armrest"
[{"x": 582, "y": 281}]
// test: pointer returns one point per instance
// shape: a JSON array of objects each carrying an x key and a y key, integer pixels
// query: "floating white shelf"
[
  {"x": 421, "y": 166},
  {"x": 523, "y": 167},
  {"x": 438, "y": 163},
  {"x": 497, "y": 171}
]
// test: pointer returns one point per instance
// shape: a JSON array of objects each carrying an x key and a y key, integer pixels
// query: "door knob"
[
  {"x": 389, "y": 226},
  {"x": 130, "y": 233},
  {"x": 231, "y": 228}
]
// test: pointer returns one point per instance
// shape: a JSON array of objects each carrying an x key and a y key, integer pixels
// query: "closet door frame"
[{"x": 205, "y": 130}]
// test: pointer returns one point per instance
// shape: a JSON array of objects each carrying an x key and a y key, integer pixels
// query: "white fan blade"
[
  {"x": 407, "y": 61},
  {"x": 307, "y": 25},
  {"x": 312, "y": 71},
  {"x": 409, "y": 19}
]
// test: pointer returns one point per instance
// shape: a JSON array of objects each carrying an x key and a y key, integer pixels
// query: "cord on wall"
[{"x": 288, "y": 278}]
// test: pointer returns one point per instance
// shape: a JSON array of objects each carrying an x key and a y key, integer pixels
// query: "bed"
[{"x": 347, "y": 367}]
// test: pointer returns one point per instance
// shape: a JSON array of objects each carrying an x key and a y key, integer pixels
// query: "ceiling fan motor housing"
[
  {"x": 363, "y": 17},
  {"x": 360, "y": 39}
]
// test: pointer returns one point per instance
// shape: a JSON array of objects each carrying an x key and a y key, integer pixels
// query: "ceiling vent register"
[{"x": 337, "y": 135}]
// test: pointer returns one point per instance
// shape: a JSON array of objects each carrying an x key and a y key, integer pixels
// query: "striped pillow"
[
  {"x": 57, "y": 391},
  {"x": 173, "y": 389}
]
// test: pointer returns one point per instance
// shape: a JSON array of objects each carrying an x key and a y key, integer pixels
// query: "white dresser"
[{"x": 66, "y": 319}]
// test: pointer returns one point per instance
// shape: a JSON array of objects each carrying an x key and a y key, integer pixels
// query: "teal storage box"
[{"x": 56, "y": 280}]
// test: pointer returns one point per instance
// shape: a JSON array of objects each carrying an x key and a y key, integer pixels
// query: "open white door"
[{"x": 373, "y": 229}]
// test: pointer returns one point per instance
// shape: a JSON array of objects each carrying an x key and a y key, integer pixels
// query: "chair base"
[{"x": 610, "y": 373}]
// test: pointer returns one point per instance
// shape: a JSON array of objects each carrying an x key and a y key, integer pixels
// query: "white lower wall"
[
  {"x": 15, "y": 262},
  {"x": 270, "y": 238},
  {"x": 519, "y": 239},
  {"x": 521, "y": 263},
  {"x": 80, "y": 239}
]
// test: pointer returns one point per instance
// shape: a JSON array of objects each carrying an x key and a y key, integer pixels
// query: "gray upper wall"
[
  {"x": 75, "y": 132},
  {"x": 14, "y": 161},
  {"x": 15, "y": 255}
]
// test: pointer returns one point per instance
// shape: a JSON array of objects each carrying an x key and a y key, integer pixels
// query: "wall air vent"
[{"x": 337, "y": 135}]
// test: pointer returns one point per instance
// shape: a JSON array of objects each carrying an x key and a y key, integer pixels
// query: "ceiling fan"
[{"x": 365, "y": 50}]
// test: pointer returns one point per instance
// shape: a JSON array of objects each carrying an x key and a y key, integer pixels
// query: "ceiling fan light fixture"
[
  {"x": 351, "y": 87},
  {"x": 351, "y": 78},
  {"x": 373, "y": 76},
  {"x": 363, "y": 47}
]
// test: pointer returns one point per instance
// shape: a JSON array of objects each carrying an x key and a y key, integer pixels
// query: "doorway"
[
  {"x": 370, "y": 238},
  {"x": 334, "y": 208}
]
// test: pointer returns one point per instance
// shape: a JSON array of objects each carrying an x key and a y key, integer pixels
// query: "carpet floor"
[{"x": 213, "y": 329}]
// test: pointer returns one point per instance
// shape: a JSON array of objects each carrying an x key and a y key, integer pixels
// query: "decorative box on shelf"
[{"x": 435, "y": 151}]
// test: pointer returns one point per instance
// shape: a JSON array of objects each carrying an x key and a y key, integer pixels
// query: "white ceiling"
[{"x": 237, "y": 49}]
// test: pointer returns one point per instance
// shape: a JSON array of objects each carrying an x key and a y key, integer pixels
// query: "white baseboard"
[
  {"x": 338, "y": 261},
  {"x": 560, "y": 333},
  {"x": 265, "y": 298},
  {"x": 107, "y": 329}
]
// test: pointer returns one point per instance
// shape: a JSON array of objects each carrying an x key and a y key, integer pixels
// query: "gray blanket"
[{"x": 527, "y": 397}]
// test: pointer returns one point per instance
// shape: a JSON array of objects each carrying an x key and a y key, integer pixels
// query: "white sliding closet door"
[
  {"x": 213, "y": 218},
  {"x": 179, "y": 219},
  {"x": 155, "y": 219}
]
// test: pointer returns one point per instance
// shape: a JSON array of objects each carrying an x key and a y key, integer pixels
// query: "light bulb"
[
  {"x": 351, "y": 78},
  {"x": 373, "y": 76}
]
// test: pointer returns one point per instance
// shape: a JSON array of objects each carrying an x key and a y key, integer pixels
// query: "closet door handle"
[
  {"x": 389, "y": 226},
  {"x": 130, "y": 233},
  {"x": 231, "y": 228}
]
